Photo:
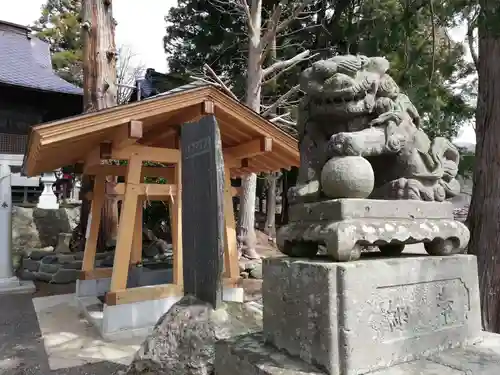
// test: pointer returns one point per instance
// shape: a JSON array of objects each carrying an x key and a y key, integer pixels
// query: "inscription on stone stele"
[{"x": 405, "y": 311}]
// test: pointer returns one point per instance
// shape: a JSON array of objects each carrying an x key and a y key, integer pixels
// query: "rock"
[
  {"x": 39, "y": 228},
  {"x": 65, "y": 276},
  {"x": 75, "y": 265},
  {"x": 63, "y": 241},
  {"x": 65, "y": 258},
  {"x": 42, "y": 276},
  {"x": 49, "y": 268},
  {"x": 148, "y": 235},
  {"x": 183, "y": 339},
  {"x": 256, "y": 271},
  {"x": 30, "y": 264},
  {"x": 156, "y": 247},
  {"x": 39, "y": 254},
  {"x": 27, "y": 275},
  {"x": 79, "y": 255},
  {"x": 49, "y": 259},
  {"x": 103, "y": 255}
]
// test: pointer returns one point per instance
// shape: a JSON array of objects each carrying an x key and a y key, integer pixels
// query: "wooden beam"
[
  {"x": 136, "y": 256},
  {"x": 231, "y": 267},
  {"x": 175, "y": 211},
  {"x": 128, "y": 134},
  {"x": 208, "y": 107},
  {"x": 250, "y": 149},
  {"x": 95, "y": 222},
  {"x": 121, "y": 170},
  {"x": 126, "y": 227},
  {"x": 97, "y": 273},
  {"x": 154, "y": 292},
  {"x": 146, "y": 153},
  {"x": 93, "y": 159},
  {"x": 149, "y": 190}
]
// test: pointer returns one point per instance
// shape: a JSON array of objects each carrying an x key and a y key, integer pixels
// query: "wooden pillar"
[
  {"x": 96, "y": 208},
  {"x": 231, "y": 267},
  {"x": 126, "y": 228},
  {"x": 175, "y": 211},
  {"x": 136, "y": 256}
]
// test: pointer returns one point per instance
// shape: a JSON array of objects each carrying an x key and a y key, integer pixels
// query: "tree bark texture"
[
  {"x": 484, "y": 212},
  {"x": 246, "y": 219},
  {"x": 270, "y": 227},
  {"x": 99, "y": 90}
]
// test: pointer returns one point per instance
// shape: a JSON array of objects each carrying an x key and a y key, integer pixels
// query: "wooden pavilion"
[{"x": 148, "y": 131}]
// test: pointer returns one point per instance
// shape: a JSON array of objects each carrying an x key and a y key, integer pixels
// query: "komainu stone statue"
[{"x": 360, "y": 137}]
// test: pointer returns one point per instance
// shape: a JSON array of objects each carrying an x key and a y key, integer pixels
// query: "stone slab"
[
  {"x": 361, "y": 316},
  {"x": 345, "y": 209},
  {"x": 250, "y": 355},
  {"x": 13, "y": 285}
]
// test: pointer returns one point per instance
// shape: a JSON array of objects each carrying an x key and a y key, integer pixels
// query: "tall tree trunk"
[
  {"x": 99, "y": 91},
  {"x": 246, "y": 218},
  {"x": 484, "y": 213},
  {"x": 270, "y": 227}
]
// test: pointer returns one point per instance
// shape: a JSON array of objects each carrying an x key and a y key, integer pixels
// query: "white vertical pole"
[{"x": 5, "y": 221}]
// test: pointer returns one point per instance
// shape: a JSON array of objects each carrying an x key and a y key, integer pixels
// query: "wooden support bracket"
[
  {"x": 157, "y": 154},
  {"x": 128, "y": 134},
  {"x": 250, "y": 149}
]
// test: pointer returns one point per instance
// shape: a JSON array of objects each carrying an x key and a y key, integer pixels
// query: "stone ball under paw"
[{"x": 347, "y": 177}]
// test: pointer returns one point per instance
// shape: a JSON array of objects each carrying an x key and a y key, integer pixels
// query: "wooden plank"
[
  {"x": 146, "y": 153},
  {"x": 96, "y": 273},
  {"x": 150, "y": 191},
  {"x": 154, "y": 292},
  {"x": 126, "y": 226},
  {"x": 136, "y": 256},
  {"x": 121, "y": 170},
  {"x": 250, "y": 149},
  {"x": 202, "y": 210},
  {"x": 175, "y": 210},
  {"x": 95, "y": 222},
  {"x": 231, "y": 267}
]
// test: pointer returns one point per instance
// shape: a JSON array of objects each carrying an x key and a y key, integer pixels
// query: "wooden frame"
[{"x": 133, "y": 192}]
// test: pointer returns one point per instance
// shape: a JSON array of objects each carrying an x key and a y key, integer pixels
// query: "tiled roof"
[{"x": 25, "y": 62}]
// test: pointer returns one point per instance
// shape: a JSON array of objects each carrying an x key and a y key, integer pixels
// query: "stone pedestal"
[
  {"x": 368, "y": 316},
  {"x": 347, "y": 226}
]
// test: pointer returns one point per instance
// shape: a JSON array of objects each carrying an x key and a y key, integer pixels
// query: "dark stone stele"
[{"x": 202, "y": 209}]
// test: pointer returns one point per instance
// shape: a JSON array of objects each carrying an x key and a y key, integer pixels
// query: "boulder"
[
  {"x": 39, "y": 228},
  {"x": 182, "y": 342}
]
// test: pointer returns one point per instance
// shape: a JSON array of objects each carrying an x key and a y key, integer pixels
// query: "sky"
[{"x": 140, "y": 29}]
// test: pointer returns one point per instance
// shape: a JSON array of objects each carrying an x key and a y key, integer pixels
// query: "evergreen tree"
[
  {"x": 60, "y": 25},
  {"x": 412, "y": 35}
]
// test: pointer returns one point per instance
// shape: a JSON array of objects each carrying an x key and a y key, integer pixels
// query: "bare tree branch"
[
  {"x": 280, "y": 117},
  {"x": 283, "y": 64},
  {"x": 272, "y": 32},
  {"x": 126, "y": 74},
  {"x": 219, "y": 81},
  {"x": 283, "y": 98},
  {"x": 471, "y": 25},
  {"x": 276, "y": 76}
]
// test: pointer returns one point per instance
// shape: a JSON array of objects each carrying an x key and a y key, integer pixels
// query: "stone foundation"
[{"x": 384, "y": 316}]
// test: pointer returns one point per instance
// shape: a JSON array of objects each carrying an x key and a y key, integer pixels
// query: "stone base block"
[
  {"x": 13, "y": 285},
  {"x": 93, "y": 288},
  {"x": 249, "y": 355},
  {"x": 346, "y": 226},
  {"x": 356, "y": 317},
  {"x": 132, "y": 319}
]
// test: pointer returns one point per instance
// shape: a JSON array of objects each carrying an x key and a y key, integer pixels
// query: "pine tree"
[{"x": 60, "y": 25}]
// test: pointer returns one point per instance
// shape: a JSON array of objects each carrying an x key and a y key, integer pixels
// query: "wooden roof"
[{"x": 68, "y": 141}]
